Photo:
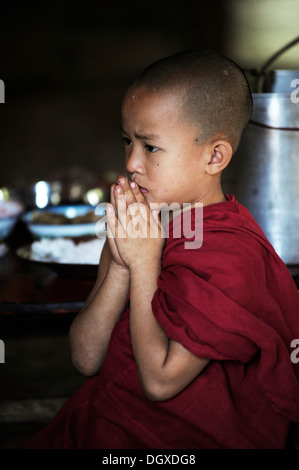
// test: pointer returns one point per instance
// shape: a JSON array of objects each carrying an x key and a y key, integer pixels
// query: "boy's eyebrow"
[{"x": 142, "y": 136}]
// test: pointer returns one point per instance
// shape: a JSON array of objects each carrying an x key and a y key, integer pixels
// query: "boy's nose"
[{"x": 134, "y": 163}]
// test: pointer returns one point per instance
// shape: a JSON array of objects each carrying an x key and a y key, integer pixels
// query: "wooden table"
[
  {"x": 33, "y": 294},
  {"x": 37, "y": 307}
]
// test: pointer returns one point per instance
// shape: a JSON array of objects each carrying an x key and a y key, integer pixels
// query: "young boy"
[{"x": 185, "y": 348}]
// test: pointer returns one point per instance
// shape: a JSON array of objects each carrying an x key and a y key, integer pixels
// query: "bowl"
[
  {"x": 6, "y": 226},
  {"x": 66, "y": 221},
  {"x": 65, "y": 257},
  {"x": 11, "y": 209}
]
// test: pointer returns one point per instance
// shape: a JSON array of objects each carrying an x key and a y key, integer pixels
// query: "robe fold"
[{"x": 233, "y": 301}]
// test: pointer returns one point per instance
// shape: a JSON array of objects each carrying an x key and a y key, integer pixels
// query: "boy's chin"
[{"x": 148, "y": 198}]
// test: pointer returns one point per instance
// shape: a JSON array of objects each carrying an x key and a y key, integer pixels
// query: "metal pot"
[
  {"x": 281, "y": 81},
  {"x": 264, "y": 172}
]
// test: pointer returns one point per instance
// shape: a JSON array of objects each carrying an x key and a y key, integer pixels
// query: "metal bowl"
[
  {"x": 63, "y": 221},
  {"x": 11, "y": 208}
]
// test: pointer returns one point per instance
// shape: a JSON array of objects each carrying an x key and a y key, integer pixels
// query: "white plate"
[
  {"x": 6, "y": 226},
  {"x": 67, "y": 230},
  {"x": 10, "y": 212},
  {"x": 64, "y": 256},
  {"x": 66, "y": 270}
]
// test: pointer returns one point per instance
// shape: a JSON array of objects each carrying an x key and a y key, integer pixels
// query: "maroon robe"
[{"x": 233, "y": 301}]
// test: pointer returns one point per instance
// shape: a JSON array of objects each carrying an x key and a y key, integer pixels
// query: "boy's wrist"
[
  {"x": 145, "y": 266},
  {"x": 118, "y": 270}
]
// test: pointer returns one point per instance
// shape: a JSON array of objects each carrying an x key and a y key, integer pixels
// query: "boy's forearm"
[
  {"x": 91, "y": 329},
  {"x": 164, "y": 366},
  {"x": 149, "y": 341}
]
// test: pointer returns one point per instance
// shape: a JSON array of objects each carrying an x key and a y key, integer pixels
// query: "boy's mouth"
[{"x": 143, "y": 190}]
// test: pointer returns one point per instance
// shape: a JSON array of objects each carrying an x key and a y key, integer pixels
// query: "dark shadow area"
[{"x": 66, "y": 66}]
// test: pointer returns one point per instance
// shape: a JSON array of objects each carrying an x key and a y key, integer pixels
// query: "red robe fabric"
[{"x": 233, "y": 301}]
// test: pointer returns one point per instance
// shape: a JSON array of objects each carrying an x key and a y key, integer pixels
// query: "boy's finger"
[
  {"x": 156, "y": 216},
  {"x": 139, "y": 197},
  {"x": 112, "y": 199},
  {"x": 121, "y": 206},
  {"x": 130, "y": 198},
  {"x": 111, "y": 221},
  {"x": 114, "y": 228}
]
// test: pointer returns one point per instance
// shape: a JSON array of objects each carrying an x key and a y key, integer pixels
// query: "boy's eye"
[
  {"x": 151, "y": 149},
  {"x": 126, "y": 141}
]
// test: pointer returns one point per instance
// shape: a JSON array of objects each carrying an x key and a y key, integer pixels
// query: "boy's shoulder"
[
  {"x": 235, "y": 256},
  {"x": 232, "y": 241},
  {"x": 230, "y": 213},
  {"x": 219, "y": 224}
]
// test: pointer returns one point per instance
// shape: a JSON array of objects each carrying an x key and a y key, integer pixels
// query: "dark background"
[{"x": 66, "y": 65}]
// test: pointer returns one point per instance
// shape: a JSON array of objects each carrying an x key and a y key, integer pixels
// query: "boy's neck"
[
  {"x": 212, "y": 195},
  {"x": 205, "y": 201}
]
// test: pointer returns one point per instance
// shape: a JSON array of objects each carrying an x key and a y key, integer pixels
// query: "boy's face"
[{"x": 162, "y": 154}]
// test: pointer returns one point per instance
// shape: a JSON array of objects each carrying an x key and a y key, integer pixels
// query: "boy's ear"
[{"x": 220, "y": 156}]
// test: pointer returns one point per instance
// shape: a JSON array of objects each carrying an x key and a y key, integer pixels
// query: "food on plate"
[
  {"x": 54, "y": 218},
  {"x": 61, "y": 250}
]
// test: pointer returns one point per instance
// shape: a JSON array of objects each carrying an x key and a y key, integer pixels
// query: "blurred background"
[{"x": 66, "y": 65}]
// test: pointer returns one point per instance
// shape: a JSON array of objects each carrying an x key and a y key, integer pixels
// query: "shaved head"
[{"x": 212, "y": 92}]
